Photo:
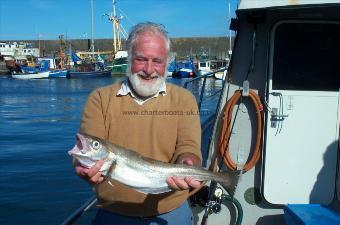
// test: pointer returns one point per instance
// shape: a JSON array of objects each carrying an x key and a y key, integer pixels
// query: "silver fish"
[{"x": 143, "y": 174}]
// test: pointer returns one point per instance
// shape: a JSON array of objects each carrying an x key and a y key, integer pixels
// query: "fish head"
[{"x": 88, "y": 150}]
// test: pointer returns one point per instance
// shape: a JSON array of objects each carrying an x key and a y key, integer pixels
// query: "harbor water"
[{"x": 38, "y": 122}]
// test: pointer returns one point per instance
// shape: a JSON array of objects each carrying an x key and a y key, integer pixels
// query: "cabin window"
[
  {"x": 202, "y": 64},
  {"x": 306, "y": 57}
]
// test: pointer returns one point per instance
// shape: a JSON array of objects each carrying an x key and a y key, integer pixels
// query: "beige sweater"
[{"x": 162, "y": 128}]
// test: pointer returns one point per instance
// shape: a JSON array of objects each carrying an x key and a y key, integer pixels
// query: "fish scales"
[{"x": 145, "y": 175}]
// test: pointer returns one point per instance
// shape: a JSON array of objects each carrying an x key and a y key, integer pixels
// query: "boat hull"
[
  {"x": 184, "y": 73},
  {"x": 89, "y": 74},
  {"x": 119, "y": 70},
  {"x": 58, "y": 73},
  {"x": 26, "y": 76},
  {"x": 118, "y": 67}
]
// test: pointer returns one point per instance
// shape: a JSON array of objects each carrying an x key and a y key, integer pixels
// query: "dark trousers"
[{"x": 180, "y": 216}]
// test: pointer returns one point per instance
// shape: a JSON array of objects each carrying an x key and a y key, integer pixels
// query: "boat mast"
[
  {"x": 114, "y": 26},
  {"x": 117, "y": 29},
  {"x": 92, "y": 30},
  {"x": 230, "y": 51}
]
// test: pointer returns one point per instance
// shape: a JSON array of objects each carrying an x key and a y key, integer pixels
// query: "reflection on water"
[
  {"x": 38, "y": 120},
  {"x": 210, "y": 97}
]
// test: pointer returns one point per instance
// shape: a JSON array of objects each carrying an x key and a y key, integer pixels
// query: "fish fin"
[
  {"x": 230, "y": 181},
  {"x": 109, "y": 182}
]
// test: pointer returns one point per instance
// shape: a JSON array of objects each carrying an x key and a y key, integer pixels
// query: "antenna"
[
  {"x": 92, "y": 29},
  {"x": 117, "y": 29}
]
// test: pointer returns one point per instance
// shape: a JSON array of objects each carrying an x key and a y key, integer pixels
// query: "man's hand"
[
  {"x": 91, "y": 175},
  {"x": 188, "y": 182}
]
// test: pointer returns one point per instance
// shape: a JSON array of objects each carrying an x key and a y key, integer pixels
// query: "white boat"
[
  {"x": 221, "y": 75},
  {"x": 204, "y": 67},
  {"x": 210, "y": 66},
  {"x": 26, "y": 76}
]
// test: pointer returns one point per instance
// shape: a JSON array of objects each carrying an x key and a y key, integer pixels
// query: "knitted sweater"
[{"x": 162, "y": 128}]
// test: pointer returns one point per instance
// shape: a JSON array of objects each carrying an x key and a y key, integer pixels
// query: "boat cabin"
[{"x": 286, "y": 54}]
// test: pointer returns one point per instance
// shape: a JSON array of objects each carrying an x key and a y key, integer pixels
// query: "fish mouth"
[{"x": 80, "y": 143}]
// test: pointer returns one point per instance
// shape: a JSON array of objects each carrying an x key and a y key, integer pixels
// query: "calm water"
[{"x": 38, "y": 122}]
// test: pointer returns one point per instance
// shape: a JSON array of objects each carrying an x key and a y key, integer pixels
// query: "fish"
[{"x": 143, "y": 174}]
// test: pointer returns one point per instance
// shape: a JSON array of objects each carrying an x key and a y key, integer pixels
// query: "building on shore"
[{"x": 18, "y": 50}]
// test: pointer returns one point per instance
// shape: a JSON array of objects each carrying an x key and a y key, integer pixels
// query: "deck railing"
[
  {"x": 80, "y": 211},
  {"x": 207, "y": 123},
  {"x": 204, "y": 77}
]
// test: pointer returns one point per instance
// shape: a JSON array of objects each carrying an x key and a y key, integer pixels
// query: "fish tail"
[{"x": 229, "y": 180}]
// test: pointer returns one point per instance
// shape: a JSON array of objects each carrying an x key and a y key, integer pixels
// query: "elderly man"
[{"x": 155, "y": 119}]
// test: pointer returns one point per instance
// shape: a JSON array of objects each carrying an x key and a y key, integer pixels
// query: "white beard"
[{"x": 145, "y": 88}]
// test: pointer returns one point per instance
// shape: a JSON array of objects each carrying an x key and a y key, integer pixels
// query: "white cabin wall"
[
  {"x": 262, "y": 213},
  {"x": 245, "y": 126}
]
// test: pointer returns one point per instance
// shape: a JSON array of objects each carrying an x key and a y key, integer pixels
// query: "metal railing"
[
  {"x": 80, "y": 211},
  {"x": 204, "y": 77}
]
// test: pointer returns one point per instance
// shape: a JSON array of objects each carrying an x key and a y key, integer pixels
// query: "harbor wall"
[{"x": 215, "y": 47}]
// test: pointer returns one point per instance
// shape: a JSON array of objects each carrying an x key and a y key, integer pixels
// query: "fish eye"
[{"x": 96, "y": 145}]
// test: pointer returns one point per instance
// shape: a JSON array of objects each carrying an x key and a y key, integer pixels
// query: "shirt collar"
[{"x": 125, "y": 90}]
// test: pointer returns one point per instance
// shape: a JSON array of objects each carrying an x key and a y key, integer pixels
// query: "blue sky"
[{"x": 46, "y": 19}]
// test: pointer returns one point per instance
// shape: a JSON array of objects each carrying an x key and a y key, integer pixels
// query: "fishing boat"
[
  {"x": 88, "y": 74},
  {"x": 58, "y": 73},
  {"x": 54, "y": 66},
  {"x": 39, "y": 71},
  {"x": 43, "y": 65},
  {"x": 35, "y": 75},
  {"x": 119, "y": 66},
  {"x": 36, "y": 67},
  {"x": 209, "y": 66},
  {"x": 89, "y": 67},
  {"x": 119, "y": 63},
  {"x": 277, "y": 120},
  {"x": 185, "y": 69}
]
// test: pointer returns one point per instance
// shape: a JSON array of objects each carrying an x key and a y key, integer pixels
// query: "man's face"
[{"x": 148, "y": 64}]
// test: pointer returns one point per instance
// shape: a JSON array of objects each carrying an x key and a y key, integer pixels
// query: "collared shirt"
[{"x": 125, "y": 90}]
